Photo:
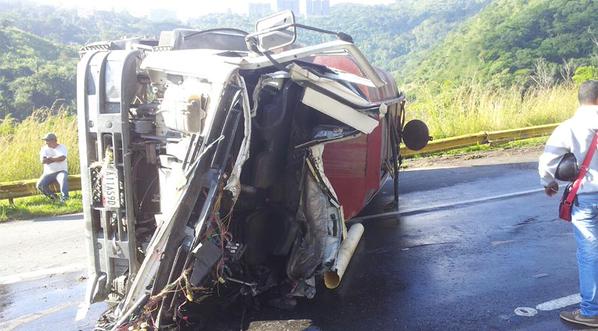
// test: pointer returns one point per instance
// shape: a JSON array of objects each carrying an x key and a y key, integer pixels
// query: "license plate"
[{"x": 110, "y": 190}]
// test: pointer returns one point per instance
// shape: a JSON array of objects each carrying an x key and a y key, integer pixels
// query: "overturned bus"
[{"x": 221, "y": 164}]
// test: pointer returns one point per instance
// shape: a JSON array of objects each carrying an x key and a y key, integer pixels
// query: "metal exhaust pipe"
[{"x": 332, "y": 278}]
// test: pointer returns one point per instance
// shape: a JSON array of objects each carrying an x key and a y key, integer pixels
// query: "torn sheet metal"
[
  {"x": 301, "y": 74},
  {"x": 336, "y": 47},
  {"x": 339, "y": 111},
  {"x": 233, "y": 184},
  {"x": 308, "y": 251},
  {"x": 336, "y": 226},
  {"x": 317, "y": 167},
  {"x": 338, "y": 252},
  {"x": 276, "y": 80}
]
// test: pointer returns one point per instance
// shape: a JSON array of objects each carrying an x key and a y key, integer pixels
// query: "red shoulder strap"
[{"x": 582, "y": 171}]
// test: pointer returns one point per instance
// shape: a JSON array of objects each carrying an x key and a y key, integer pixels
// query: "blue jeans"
[
  {"x": 43, "y": 184},
  {"x": 585, "y": 224}
]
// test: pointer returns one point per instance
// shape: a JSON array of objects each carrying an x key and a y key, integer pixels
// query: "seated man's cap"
[{"x": 49, "y": 136}]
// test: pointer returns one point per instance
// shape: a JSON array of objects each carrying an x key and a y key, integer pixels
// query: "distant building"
[
  {"x": 293, "y": 5},
  {"x": 259, "y": 9},
  {"x": 315, "y": 7},
  {"x": 303, "y": 7}
]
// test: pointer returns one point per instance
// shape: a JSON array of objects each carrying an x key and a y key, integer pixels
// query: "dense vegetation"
[
  {"x": 34, "y": 72},
  {"x": 517, "y": 42},
  {"x": 67, "y": 26},
  {"x": 38, "y": 52},
  {"x": 387, "y": 34},
  {"x": 495, "y": 70},
  {"x": 500, "y": 43},
  {"x": 38, "y": 44}
]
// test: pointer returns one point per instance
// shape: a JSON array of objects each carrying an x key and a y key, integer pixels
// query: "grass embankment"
[
  {"x": 38, "y": 206},
  {"x": 454, "y": 111}
]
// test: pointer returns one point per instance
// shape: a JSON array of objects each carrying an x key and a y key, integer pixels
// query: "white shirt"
[
  {"x": 575, "y": 136},
  {"x": 53, "y": 167}
]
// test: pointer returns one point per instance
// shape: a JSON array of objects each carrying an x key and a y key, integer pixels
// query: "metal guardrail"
[
  {"x": 27, "y": 188},
  {"x": 442, "y": 145}
]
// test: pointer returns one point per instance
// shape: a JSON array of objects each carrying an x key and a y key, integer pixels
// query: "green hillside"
[
  {"x": 515, "y": 42},
  {"x": 34, "y": 72},
  {"x": 67, "y": 26},
  {"x": 38, "y": 43},
  {"x": 387, "y": 34}
]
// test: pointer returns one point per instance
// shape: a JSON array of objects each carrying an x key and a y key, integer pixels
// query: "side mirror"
[
  {"x": 416, "y": 135},
  {"x": 276, "y": 31}
]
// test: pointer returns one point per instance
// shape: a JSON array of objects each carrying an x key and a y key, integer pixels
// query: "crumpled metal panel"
[{"x": 308, "y": 250}]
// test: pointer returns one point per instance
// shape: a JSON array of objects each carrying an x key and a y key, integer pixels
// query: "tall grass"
[
  {"x": 20, "y": 143},
  {"x": 448, "y": 111},
  {"x": 453, "y": 111}
]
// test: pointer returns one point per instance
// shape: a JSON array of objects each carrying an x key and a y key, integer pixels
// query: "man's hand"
[
  {"x": 551, "y": 189},
  {"x": 48, "y": 159}
]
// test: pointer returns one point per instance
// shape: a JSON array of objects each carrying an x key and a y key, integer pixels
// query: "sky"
[{"x": 183, "y": 8}]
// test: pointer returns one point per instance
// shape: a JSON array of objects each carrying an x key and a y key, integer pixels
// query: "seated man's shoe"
[{"x": 577, "y": 318}]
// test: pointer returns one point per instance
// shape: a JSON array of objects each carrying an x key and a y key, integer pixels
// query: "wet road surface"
[
  {"x": 42, "y": 278},
  {"x": 442, "y": 265},
  {"x": 50, "y": 303}
]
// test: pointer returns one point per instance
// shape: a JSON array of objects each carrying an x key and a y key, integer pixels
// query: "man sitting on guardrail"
[
  {"x": 53, "y": 157},
  {"x": 575, "y": 136}
]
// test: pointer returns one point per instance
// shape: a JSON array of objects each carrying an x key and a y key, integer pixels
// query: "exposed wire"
[{"x": 147, "y": 190}]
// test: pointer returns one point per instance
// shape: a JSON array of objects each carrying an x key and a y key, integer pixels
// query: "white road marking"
[
  {"x": 37, "y": 274},
  {"x": 559, "y": 303},
  {"x": 446, "y": 206},
  {"x": 431, "y": 168},
  {"x": 549, "y": 305},
  {"x": 502, "y": 242},
  {"x": 525, "y": 311},
  {"x": 82, "y": 311},
  {"x": 15, "y": 323}
]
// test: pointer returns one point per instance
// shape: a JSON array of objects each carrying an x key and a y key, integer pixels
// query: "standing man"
[
  {"x": 53, "y": 157},
  {"x": 575, "y": 135}
]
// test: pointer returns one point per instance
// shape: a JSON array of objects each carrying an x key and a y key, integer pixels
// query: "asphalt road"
[{"x": 477, "y": 247}]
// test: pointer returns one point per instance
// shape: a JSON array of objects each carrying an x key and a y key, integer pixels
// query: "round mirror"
[{"x": 416, "y": 135}]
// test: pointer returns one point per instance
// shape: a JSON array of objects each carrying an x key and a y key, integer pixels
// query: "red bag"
[
  {"x": 570, "y": 192},
  {"x": 565, "y": 206}
]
